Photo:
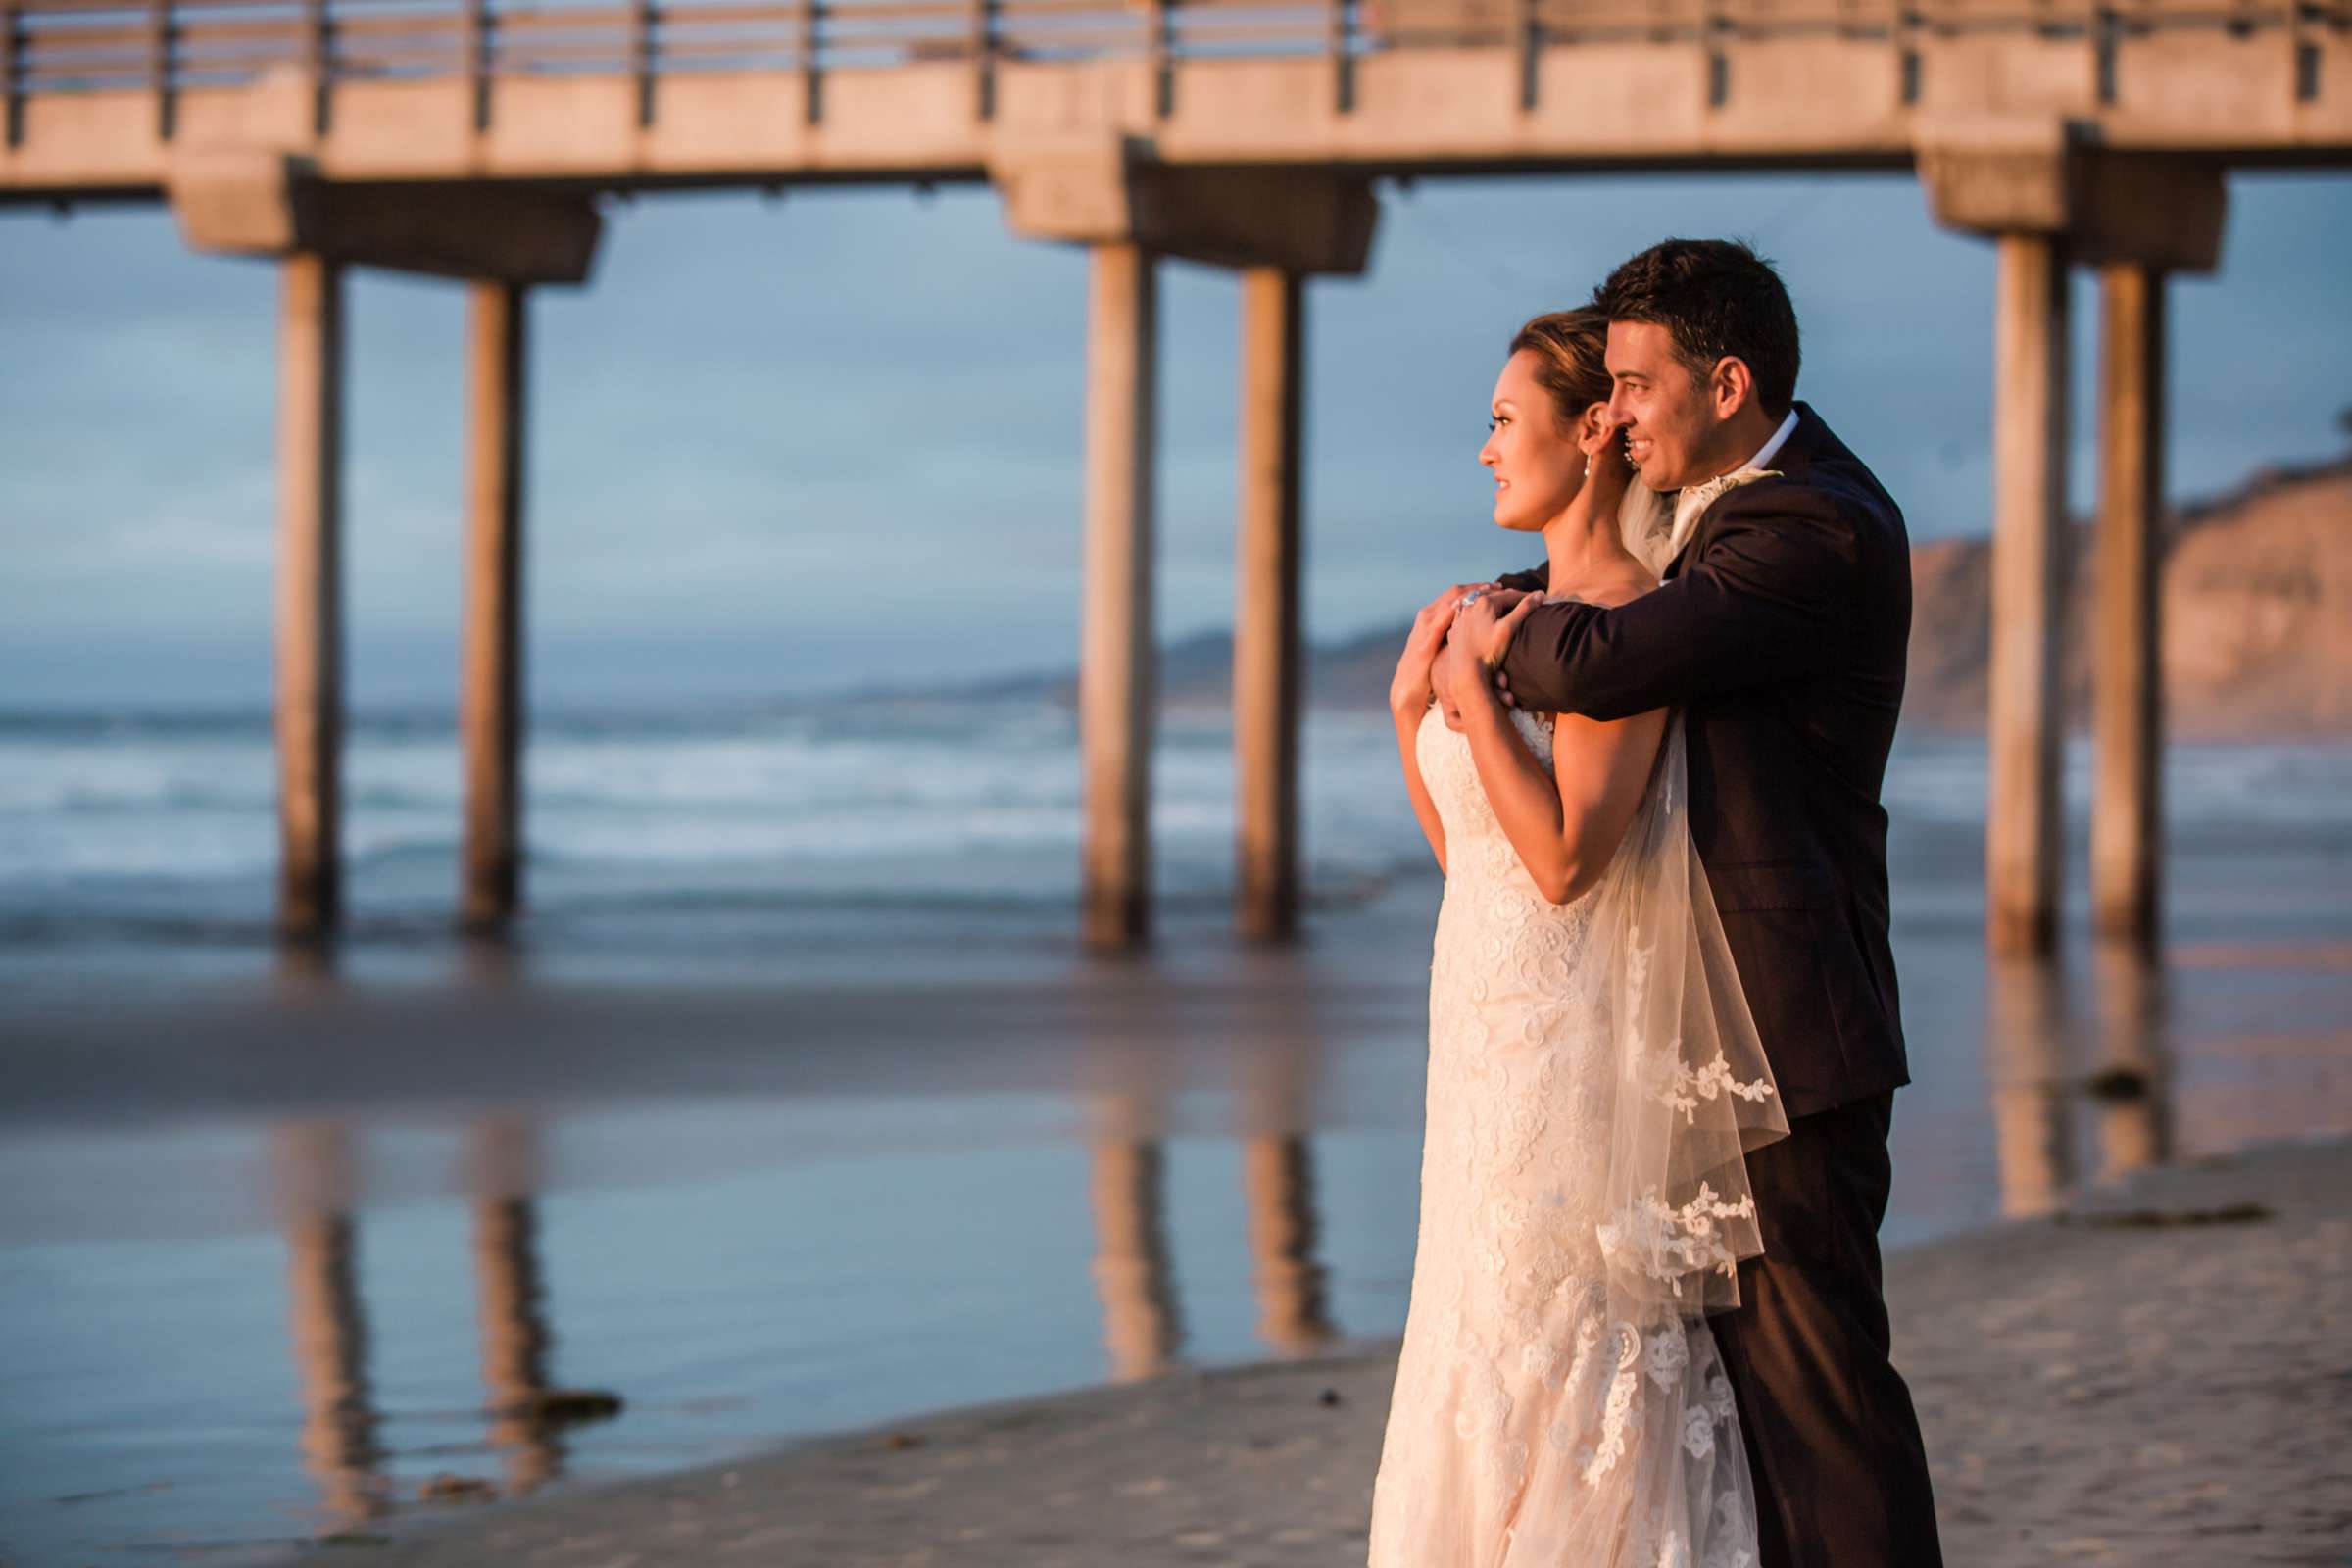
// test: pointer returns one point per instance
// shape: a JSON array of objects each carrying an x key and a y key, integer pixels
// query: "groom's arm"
[
  {"x": 1535, "y": 581},
  {"x": 1767, "y": 599}
]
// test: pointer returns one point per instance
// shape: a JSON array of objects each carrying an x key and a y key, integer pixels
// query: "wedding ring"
[{"x": 1464, "y": 603}]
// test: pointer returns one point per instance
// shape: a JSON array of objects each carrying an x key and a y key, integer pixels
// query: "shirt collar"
[{"x": 1780, "y": 437}]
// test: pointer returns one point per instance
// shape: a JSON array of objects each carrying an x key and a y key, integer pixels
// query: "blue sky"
[{"x": 836, "y": 438}]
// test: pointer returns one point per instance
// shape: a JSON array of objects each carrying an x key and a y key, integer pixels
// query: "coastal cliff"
[{"x": 2257, "y": 616}]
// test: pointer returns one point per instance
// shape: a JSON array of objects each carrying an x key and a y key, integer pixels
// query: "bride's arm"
[
  {"x": 1409, "y": 696},
  {"x": 1565, "y": 821},
  {"x": 1408, "y": 747}
]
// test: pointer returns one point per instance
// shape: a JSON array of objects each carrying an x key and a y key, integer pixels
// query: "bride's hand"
[
  {"x": 1410, "y": 690},
  {"x": 1485, "y": 628}
]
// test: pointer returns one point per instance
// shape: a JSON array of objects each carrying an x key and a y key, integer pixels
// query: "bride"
[{"x": 1595, "y": 1079}]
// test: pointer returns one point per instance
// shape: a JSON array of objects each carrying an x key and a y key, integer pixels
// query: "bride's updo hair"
[{"x": 1571, "y": 348}]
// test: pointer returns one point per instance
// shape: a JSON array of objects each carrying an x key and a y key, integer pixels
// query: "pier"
[{"x": 473, "y": 139}]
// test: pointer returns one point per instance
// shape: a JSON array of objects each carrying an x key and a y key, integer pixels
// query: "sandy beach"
[{"x": 2153, "y": 1376}]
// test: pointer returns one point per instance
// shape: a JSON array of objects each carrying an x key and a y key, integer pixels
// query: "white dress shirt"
[{"x": 1694, "y": 501}]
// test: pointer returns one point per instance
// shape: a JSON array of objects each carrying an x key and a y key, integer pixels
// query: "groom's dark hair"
[{"x": 1717, "y": 298}]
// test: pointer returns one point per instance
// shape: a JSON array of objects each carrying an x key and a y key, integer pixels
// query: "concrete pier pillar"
[
  {"x": 2048, "y": 191},
  {"x": 2024, "y": 835},
  {"x": 310, "y": 594},
  {"x": 2127, "y": 828},
  {"x": 1116, "y": 681},
  {"x": 490, "y": 703},
  {"x": 1265, "y": 629}
]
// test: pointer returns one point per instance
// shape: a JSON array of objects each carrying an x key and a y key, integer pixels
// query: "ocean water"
[{"x": 162, "y": 825}]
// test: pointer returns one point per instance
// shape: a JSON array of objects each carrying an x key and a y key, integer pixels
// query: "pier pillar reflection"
[
  {"x": 1124, "y": 1158},
  {"x": 1279, "y": 1074},
  {"x": 1277, "y": 1179},
  {"x": 510, "y": 1292},
  {"x": 1117, "y": 680},
  {"x": 309, "y": 593},
  {"x": 340, "y": 1447},
  {"x": 2127, "y": 824},
  {"x": 2024, "y": 829},
  {"x": 490, "y": 703},
  {"x": 1266, "y": 637},
  {"x": 2133, "y": 1085},
  {"x": 2027, "y": 1063}
]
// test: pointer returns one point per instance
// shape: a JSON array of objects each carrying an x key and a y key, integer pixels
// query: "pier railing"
[{"x": 53, "y": 46}]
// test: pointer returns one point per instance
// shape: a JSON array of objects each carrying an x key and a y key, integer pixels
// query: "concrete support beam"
[
  {"x": 2053, "y": 176},
  {"x": 490, "y": 703},
  {"x": 2051, "y": 193},
  {"x": 310, "y": 595},
  {"x": 1112, "y": 190},
  {"x": 1266, "y": 631},
  {"x": 1117, "y": 680},
  {"x": 256, "y": 203},
  {"x": 2023, "y": 830},
  {"x": 2127, "y": 826}
]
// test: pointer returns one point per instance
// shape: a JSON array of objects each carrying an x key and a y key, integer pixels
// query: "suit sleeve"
[
  {"x": 1764, "y": 601},
  {"x": 1527, "y": 582}
]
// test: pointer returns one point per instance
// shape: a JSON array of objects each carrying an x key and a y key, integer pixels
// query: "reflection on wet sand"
[
  {"x": 341, "y": 1444},
  {"x": 1142, "y": 1324},
  {"x": 1124, "y": 1163},
  {"x": 1126, "y": 1107},
  {"x": 2039, "y": 1085},
  {"x": 1278, "y": 1175},
  {"x": 1275, "y": 1109},
  {"x": 510, "y": 1289},
  {"x": 2026, "y": 1062},
  {"x": 2134, "y": 1083},
  {"x": 340, "y": 1447}
]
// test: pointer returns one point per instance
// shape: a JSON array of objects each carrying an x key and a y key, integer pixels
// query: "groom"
[{"x": 1779, "y": 631}]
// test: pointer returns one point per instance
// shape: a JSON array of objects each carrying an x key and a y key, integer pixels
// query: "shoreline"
[{"x": 2147, "y": 1377}]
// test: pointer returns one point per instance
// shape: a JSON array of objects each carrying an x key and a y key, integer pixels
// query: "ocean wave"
[{"x": 822, "y": 803}]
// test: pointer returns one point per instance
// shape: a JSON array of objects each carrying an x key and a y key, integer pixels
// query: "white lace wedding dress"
[{"x": 1594, "y": 1084}]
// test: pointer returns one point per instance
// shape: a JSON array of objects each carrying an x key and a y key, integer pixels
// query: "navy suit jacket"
[{"x": 1779, "y": 631}]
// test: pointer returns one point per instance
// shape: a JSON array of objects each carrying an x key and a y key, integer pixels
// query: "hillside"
[{"x": 2257, "y": 616}]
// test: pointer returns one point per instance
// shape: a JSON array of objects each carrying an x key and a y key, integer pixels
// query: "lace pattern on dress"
[{"x": 1559, "y": 1398}]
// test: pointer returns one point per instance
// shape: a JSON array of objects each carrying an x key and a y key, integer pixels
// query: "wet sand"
[
  {"x": 278, "y": 1239},
  {"x": 2153, "y": 1377}
]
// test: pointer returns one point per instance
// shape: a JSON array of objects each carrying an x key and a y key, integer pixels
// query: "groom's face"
[{"x": 1667, "y": 413}]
